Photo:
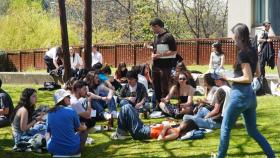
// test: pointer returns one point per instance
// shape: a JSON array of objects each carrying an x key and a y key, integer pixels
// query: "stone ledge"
[
  {"x": 41, "y": 77},
  {"x": 25, "y": 78}
]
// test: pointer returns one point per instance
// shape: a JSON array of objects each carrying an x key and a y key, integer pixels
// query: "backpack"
[
  {"x": 254, "y": 42},
  {"x": 50, "y": 86},
  {"x": 264, "y": 88}
]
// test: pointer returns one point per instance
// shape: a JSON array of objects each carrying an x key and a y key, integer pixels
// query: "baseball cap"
[{"x": 59, "y": 95}]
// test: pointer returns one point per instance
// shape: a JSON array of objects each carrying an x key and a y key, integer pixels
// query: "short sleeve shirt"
[
  {"x": 62, "y": 125},
  {"x": 77, "y": 105},
  {"x": 168, "y": 39},
  {"x": 52, "y": 53},
  {"x": 6, "y": 102},
  {"x": 250, "y": 57}
]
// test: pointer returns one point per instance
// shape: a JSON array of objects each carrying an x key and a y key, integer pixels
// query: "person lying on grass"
[{"x": 129, "y": 122}]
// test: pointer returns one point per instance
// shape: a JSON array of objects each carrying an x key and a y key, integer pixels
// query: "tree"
[
  {"x": 88, "y": 34},
  {"x": 65, "y": 42},
  {"x": 204, "y": 16}
]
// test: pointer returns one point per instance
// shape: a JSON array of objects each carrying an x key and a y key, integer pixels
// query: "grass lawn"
[{"x": 268, "y": 121}]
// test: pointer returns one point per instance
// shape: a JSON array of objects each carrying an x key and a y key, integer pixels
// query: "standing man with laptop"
[{"x": 163, "y": 57}]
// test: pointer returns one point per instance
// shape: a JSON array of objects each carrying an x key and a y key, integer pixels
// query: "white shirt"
[
  {"x": 142, "y": 79},
  {"x": 52, "y": 52},
  {"x": 132, "y": 89},
  {"x": 74, "y": 61},
  {"x": 76, "y": 105},
  {"x": 227, "y": 90},
  {"x": 96, "y": 57}
]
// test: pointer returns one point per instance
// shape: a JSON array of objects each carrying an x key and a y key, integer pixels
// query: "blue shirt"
[
  {"x": 61, "y": 124},
  {"x": 102, "y": 77}
]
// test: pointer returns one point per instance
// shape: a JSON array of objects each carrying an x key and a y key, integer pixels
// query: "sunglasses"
[{"x": 182, "y": 79}]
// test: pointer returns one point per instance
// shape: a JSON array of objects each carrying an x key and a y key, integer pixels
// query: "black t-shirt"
[
  {"x": 6, "y": 102},
  {"x": 250, "y": 57},
  {"x": 165, "y": 38}
]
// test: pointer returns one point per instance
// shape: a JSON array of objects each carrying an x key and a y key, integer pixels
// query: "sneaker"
[
  {"x": 107, "y": 116},
  {"x": 117, "y": 136},
  {"x": 115, "y": 114},
  {"x": 89, "y": 141},
  {"x": 213, "y": 155}
]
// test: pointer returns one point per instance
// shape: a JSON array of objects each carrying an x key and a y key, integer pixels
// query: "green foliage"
[
  {"x": 27, "y": 26},
  {"x": 143, "y": 13},
  {"x": 104, "y": 35},
  {"x": 4, "y": 6}
]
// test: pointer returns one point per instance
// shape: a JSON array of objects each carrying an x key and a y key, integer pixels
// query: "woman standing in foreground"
[{"x": 243, "y": 99}]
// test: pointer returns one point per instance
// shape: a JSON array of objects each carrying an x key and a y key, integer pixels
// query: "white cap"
[{"x": 59, "y": 95}]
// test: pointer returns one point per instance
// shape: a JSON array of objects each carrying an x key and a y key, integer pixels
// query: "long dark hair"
[
  {"x": 209, "y": 80},
  {"x": 118, "y": 71},
  {"x": 61, "y": 103},
  {"x": 187, "y": 126},
  {"x": 242, "y": 39},
  {"x": 218, "y": 47},
  {"x": 188, "y": 82},
  {"x": 90, "y": 80},
  {"x": 24, "y": 101}
]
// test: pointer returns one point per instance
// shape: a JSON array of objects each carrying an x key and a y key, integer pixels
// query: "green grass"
[{"x": 268, "y": 121}]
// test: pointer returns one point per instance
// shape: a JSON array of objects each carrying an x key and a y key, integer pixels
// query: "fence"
[{"x": 194, "y": 52}]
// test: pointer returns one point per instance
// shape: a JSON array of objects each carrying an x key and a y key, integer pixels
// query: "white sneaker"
[
  {"x": 89, "y": 141},
  {"x": 117, "y": 136},
  {"x": 213, "y": 155},
  {"x": 115, "y": 114},
  {"x": 107, "y": 116}
]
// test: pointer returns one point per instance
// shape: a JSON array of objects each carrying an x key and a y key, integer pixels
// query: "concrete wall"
[
  {"x": 239, "y": 11},
  {"x": 26, "y": 78},
  {"x": 243, "y": 11},
  {"x": 274, "y": 16}
]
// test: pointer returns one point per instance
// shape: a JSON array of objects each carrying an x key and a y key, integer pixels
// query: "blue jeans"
[
  {"x": 100, "y": 105},
  {"x": 208, "y": 123},
  {"x": 129, "y": 121},
  {"x": 243, "y": 101},
  {"x": 146, "y": 106}
]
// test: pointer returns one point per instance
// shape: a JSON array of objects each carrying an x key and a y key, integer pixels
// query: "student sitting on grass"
[
  {"x": 22, "y": 118},
  {"x": 184, "y": 92},
  {"x": 211, "y": 116},
  {"x": 129, "y": 122},
  {"x": 6, "y": 107},
  {"x": 104, "y": 97},
  {"x": 120, "y": 74},
  {"x": 133, "y": 92},
  {"x": 81, "y": 103},
  {"x": 62, "y": 126},
  {"x": 210, "y": 89}
]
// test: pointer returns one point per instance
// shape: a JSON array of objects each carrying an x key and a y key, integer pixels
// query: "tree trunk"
[
  {"x": 64, "y": 39},
  {"x": 129, "y": 20},
  {"x": 87, "y": 34}
]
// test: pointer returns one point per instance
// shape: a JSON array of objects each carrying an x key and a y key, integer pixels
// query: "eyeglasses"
[{"x": 182, "y": 79}]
